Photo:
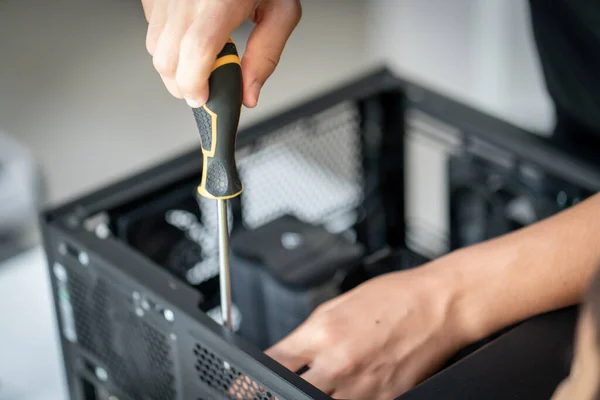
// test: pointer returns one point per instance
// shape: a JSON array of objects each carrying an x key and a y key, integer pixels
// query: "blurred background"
[
  {"x": 78, "y": 88},
  {"x": 82, "y": 106}
]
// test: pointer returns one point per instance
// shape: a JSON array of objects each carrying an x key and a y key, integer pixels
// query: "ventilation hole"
[
  {"x": 226, "y": 379},
  {"x": 136, "y": 356}
]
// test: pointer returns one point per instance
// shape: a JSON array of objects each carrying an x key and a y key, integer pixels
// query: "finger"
[
  {"x": 341, "y": 395},
  {"x": 156, "y": 24},
  {"x": 201, "y": 45},
  {"x": 294, "y": 351},
  {"x": 171, "y": 86},
  {"x": 317, "y": 377},
  {"x": 147, "y": 6},
  {"x": 358, "y": 389},
  {"x": 265, "y": 45},
  {"x": 166, "y": 56}
]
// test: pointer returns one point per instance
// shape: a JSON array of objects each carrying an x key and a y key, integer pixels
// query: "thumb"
[{"x": 275, "y": 22}]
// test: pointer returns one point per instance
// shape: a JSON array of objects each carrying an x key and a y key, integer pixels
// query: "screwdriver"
[{"x": 218, "y": 122}]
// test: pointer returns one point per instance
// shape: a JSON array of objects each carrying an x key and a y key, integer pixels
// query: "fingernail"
[
  {"x": 194, "y": 103},
  {"x": 255, "y": 90}
]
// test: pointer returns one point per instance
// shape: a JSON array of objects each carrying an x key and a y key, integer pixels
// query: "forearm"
[{"x": 540, "y": 268}]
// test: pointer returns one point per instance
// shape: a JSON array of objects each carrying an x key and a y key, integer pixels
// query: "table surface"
[{"x": 30, "y": 361}]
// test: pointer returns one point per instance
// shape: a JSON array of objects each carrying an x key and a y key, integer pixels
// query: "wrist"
[{"x": 469, "y": 286}]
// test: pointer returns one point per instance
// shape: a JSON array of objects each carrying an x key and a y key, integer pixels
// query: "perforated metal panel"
[
  {"x": 136, "y": 356},
  {"x": 226, "y": 380},
  {"x": 311, "y": 169}
]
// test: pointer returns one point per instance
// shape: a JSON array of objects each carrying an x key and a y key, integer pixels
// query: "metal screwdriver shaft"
[
  {"x": 218, "y": 122},
  {"x": 224, "y": 272}
]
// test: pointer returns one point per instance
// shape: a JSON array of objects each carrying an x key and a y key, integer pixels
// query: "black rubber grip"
[
  {"x": 218, "y": 123},
  {"x": 204, "y": 122},
  {"x": 228, "y": 49}
]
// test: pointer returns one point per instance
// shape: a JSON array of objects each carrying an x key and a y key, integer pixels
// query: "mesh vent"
[
  {"x": 136, "y": 356},
  {"x": 226, "y": 380},
  {"x": 311, "y": 169}
]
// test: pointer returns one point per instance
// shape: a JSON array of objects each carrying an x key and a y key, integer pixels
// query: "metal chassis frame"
[{"x": 383, "y": 99}]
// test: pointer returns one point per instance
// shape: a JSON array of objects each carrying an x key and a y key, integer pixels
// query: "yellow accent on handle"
[
  {"x": 202, "y": 192},
  {"x": 229, "y": 59},
  {"x": 211, "y": 153}
]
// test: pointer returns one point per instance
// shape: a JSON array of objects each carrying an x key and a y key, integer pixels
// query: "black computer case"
[{"x": 134, "y": 316}]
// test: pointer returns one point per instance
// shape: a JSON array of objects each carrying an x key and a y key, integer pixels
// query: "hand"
[
  {"x": 380, "y": 339},
  {"x": 185, "y": 36}
]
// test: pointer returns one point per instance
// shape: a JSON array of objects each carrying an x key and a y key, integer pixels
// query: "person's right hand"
[{"x": 185, "y": 36}]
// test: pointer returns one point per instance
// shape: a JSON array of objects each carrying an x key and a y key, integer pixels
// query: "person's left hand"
[{"x": 380, "y": 339}]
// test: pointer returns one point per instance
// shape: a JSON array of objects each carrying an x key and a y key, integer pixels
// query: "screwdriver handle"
[{"x": 218, "y": 122}]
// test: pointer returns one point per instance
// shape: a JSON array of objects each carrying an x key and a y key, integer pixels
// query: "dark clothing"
[{"x": 567, "y": 33}]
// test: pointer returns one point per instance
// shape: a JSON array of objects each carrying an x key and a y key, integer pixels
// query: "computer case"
[{"x": 132, "y": 265}]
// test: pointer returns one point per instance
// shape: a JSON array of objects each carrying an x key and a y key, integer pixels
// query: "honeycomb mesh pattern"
[
  {"x": 311, "y": 169},
  {"x": 204, "y": 122},
  {"x": 227, "y": 380},
  {"x": 137, "y": 357},
  {"x": 216, "y": 178}
]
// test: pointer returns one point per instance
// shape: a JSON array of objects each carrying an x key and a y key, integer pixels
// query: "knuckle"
[
  {"x": 190, "y": 86},
  {"x": 151, "y": 43},
  {"x": 326, "y": 331},
  {"x": 291, "y": 10},
  {"x": 273, "y": 59},
  {"x": 344, "y": 363},
  {"x": 150, "y": 46},
  {"x": 188, "y": 89},
  {"x": 236, "y": 9},
  {"x": 296, "y": 13},
  {"x": 219, "y": 8},
  {"x": 195, "y": 45},
  {"x": 162, "y": 64},
  {"x": 319, "y": 309},
  {"x": 189, "y": 43}
]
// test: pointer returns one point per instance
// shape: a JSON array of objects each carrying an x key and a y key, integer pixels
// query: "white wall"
[
  {"x": 77, "y": 85},
  {"x": 479, "y": 51}
]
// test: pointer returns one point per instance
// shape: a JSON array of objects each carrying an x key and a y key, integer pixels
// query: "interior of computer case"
[{"x": 378, "y": 176}]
